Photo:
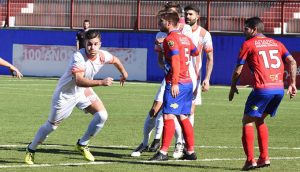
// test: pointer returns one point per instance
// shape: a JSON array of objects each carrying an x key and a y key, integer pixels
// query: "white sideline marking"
[
  {"x": 101, "y": 163},
  {"x": 224, "y": 159},
  {"x": 53, "y": 165},
  {"x": 124, "y": 146}
]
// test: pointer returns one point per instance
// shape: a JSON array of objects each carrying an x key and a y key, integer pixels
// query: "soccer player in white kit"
[
  {"x": 74, "y": 89},
  {"x": 202, "y": 39}
]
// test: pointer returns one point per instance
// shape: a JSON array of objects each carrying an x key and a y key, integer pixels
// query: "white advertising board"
[{"x": 51, "y": 60}]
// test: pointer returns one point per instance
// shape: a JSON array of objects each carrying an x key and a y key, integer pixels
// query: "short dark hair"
[
  {"x": 86, "y": 20},
  {"x": 192, "y": 7},
  {"x": 169, "y": 15},
  {"x": 91, "y": 34},
  {"x": 255, "y": 22},
  {"x": 175, "y": 5}
]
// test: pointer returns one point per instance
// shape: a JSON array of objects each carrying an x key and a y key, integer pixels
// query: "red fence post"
[
  {"x": 208, "y": 15},
  {"x": 72, "y": 14},
  {"x": 138, "y": 15},
  {"x": 282, "y": 17},
  {"x": 7, "y": 14}
]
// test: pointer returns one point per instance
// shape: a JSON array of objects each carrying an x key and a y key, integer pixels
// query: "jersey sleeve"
[
  {"x": 173, "y": 53},
  {"x": 284, "y": 51},
  {"x": 108, "y": 58},
  {"x": 187, "y": 31},
  {"x": 207, "y": 43},
  {"x": 243, "y": 54},
  {"x": 78, "y": 64}
]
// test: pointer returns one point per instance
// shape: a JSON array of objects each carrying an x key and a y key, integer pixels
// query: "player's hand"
[
  {"x": 205, "y": 85},
  {"x": 15, "y": 72},
  {"x": 292, "y": 90},
  {"x": 123, "y": 78},
  {"x": 174, "y": 90},
  {"x": 232, "y": 91},
  {"x": 107, "y": 81}
]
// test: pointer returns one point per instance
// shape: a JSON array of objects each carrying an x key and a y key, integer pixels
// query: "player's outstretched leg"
[
  {"x": 159, "y": 124},
  {"x": 39, "y": 137},
  {"x": 148, "y": 127}
]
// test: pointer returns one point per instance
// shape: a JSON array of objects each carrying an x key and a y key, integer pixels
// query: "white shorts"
[{"x": 63, "y": 104}]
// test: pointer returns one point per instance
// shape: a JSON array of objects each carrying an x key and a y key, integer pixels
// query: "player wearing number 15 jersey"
[{"x": 266, "y": 58}]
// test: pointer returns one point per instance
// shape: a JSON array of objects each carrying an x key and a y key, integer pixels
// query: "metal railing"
[{"x": 279, "y": 16}]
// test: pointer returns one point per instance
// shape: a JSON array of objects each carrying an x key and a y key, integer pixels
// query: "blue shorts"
[
  {"x": 182, "y": 103},
  {"x": 257, "y": 104}
]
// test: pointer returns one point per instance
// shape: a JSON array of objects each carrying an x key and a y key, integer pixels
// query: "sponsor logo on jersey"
[{"x": 174, "y": 105}]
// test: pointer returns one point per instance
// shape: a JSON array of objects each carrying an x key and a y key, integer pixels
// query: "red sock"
[
  {"x": 248, "y": 142},
  {"x": 262, "y": 134},
  {"x": 188, "y": 134},
  {"x": 168, "y": 132}
]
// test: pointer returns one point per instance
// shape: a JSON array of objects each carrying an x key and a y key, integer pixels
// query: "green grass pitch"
[{"x": 25, "y": 104}]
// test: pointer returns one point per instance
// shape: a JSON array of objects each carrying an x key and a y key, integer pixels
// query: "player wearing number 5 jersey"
[
  {"x": 179, "y": 87},
  {"x": 266, "y": 58}
]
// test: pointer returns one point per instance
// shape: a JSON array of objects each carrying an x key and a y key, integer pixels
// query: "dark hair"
[
  {"x": 255, "y": 22},
  {"x": 192, "y": 7},
  {"x": 86, "y": 20},
  {"x": 91, "y": 34},
  {"x": 169, "y": 15},
  {"x": 175, "y": 5}
]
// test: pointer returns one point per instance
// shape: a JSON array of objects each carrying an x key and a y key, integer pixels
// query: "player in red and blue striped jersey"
[
  {"x": 266, "y": 58},
  {"x": 178, "y": 94}
]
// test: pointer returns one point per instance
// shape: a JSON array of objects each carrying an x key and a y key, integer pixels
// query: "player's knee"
[
  {"x": 103, "y": 115},
  {"x": 51, "y": 126}
]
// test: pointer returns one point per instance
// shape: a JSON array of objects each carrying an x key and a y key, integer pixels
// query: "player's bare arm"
[
  {"x": 13, "y": 70},
  {"x": 235, "y": 77},
  {"x": 84, "y": 82},
  {"x": 120, "y": 67},
  {"x": 209, "y": 67},
  {"x": 292, "y": 64}
]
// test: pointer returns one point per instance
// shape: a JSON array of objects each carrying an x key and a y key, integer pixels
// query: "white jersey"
[
  {"x": 81, "y": 63},
  {"x": 202, "y": 39},
  {"x": 67, "y": 94}
]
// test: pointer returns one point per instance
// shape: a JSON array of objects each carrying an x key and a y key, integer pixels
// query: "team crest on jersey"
[{"x": 171, "y": 43}]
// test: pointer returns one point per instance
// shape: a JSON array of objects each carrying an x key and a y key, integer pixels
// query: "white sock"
[
  {"x": 159, "y": 125},
  {"x": 148, "y": 127},
  {"x": 41, "y": 135},
  {"x": 95, "y": 126},
  {"x": 178, "y": 131},
  {"x": 191, "y": 118}
]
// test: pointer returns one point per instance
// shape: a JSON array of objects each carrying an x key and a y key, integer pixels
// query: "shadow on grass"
[{"x": 121, "y": 158}]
